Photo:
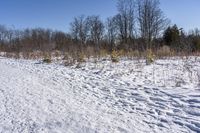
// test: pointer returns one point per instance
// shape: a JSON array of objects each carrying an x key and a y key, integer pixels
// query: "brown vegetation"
[{"x": 131, "y": 32}]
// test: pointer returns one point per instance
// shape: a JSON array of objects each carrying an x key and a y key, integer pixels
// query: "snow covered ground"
[{"x": 127, "y": 97}]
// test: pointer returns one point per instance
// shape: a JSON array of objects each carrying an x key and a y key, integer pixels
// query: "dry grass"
[
  {"x": 73, "y": 57},
  {"x": 164, "y": 51}
]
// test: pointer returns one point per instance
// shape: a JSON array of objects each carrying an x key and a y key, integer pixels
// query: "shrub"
[
  {"x": 81, "y": 57},
  {"x": 35, "y": 55},
  {"x": 16, "y": 55},
  {"x": 79, "y": 65},
  {"x": 69, "y": 62},
  {"x": 115, "y": 56},
  {"x": 57, "y": 53},
  {"x": 66, "y": 56},
  {"x": 150, "y": 57},
  {"x": 47, "y": 58},
  {"x": 121, "y": 53}
]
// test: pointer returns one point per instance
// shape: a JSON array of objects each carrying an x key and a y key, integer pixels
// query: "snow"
[{"x": 126, "y": 97}]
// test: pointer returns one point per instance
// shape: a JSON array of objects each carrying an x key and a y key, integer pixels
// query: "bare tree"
[
  {"x": 3, "y": 33},
  {"x": 79, "y": 29},
  {"x": 195, "y": 32},
  {"x": 60, "y": 39},
  {"x": 96, "y": 30},
  {"x": 151, "y": 20},
  {"x": 111, "y": 32},
  {"x": 125, "y": 19}
]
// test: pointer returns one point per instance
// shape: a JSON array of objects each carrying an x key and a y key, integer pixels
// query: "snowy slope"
[{"x": 100, "y": 97}]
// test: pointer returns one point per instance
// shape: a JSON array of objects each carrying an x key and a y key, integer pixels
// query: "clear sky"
[{"x": 57, "y": 14}]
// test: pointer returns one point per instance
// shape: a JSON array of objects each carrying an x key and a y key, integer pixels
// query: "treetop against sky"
[{"x": 58, "y": 14}]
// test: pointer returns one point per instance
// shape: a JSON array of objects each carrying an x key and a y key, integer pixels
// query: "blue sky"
[
  {"x": 57, "y": 14},
  {"x": 184, "y": 13}
]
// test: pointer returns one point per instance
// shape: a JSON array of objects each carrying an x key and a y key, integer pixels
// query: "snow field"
[{"x": 128, "y": 96}]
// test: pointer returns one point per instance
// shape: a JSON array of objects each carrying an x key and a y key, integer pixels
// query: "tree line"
[{"x": 138, "y": 25}]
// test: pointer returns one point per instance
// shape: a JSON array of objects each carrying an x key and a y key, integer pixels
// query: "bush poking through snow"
[
  {"x": 47, "y": 58},
  {"x": 69, "y": 62},
  {"x": 81, "y": 58},
  {"x": 79, "y": 65},
  {"x": 115, "y": 56},
  {"x": 150, "y": 57}
]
